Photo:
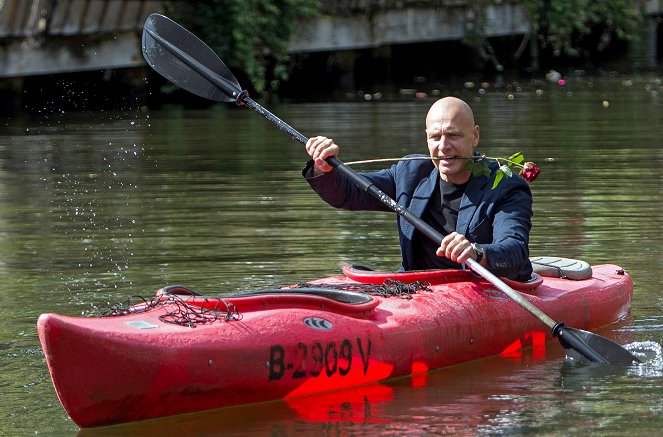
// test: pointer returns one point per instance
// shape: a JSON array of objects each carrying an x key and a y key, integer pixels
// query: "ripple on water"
[{"x": 651, "y": 355}]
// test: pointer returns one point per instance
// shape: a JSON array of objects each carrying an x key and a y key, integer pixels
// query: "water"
[{"x": 95, "y": 207}]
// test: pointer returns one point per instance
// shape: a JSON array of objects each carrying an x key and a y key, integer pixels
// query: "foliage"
[
  {"x": 528, "y": 170},
  {"x": 251, "y": 36},
  {"x": 559, "y": 24}
]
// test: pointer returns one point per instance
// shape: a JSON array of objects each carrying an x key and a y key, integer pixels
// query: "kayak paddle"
[{"x": 188, "y": 62}]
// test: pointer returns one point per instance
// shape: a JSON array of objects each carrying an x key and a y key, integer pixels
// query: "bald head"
[
  {"x": 452, "y": 137},
  {"x": 451, "y": 108}
]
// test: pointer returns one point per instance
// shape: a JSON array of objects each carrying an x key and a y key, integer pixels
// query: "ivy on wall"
[
  {"x": 250, "y": 36},
  {"x": 562, "y": 24}
]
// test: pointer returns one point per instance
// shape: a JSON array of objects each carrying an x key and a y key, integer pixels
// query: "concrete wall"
[
  {"x": 452, "y": 21},
  {"x": 48, "y": 36}
]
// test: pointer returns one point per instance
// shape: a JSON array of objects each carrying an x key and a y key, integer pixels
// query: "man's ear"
[{"x": 475, "y": 142}]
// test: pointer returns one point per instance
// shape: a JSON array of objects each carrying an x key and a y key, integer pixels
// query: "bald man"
[{"x": 489, "y": 225}]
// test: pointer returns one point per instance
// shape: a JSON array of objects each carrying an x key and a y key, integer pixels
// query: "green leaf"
[
  {"x": 498, "y": 178},
  {"x": 478, "y": 168},
  {"x": 506, "y": 170},
  {"x": 518, "y": 158}
]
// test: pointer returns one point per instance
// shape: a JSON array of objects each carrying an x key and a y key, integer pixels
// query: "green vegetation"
[
  {"x": 250, "y": 36},
  {"x": 562, "y": 24}
]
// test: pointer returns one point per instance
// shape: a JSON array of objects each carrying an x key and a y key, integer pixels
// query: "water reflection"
[
  {"x": 494, "y": 396},
  {"x": 452, "y": 401}
]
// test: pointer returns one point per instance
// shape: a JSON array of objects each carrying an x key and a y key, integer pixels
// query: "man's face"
[{"x": 451, "y": 134}]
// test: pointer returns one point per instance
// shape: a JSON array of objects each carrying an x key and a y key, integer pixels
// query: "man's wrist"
[{"x": 479, "y": 251}]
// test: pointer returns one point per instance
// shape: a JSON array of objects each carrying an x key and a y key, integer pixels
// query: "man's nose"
[{"x": 444, "y": 145}]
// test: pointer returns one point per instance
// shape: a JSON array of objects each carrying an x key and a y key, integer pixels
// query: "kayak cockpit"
[
  {"x": 341, "y": 296},
  {"x": 434, "y": 277},
  {"x": 356, "y": 292},
  {"x": 350, "y": 303}
]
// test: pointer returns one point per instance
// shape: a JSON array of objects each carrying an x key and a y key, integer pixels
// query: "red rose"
[{"x": 530, "y": 171}]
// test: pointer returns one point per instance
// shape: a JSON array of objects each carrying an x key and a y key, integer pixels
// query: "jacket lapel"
[
  {"x": 468, "y": 204},
  {"x": 420, "y": 198}
]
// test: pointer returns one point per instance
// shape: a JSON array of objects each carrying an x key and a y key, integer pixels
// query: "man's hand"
[
  {"x": 321, "y": 148},
  {"x": 457, "y": 248}
]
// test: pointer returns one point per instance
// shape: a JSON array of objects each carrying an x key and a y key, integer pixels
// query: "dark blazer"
[{"x": 499, "y": 219}]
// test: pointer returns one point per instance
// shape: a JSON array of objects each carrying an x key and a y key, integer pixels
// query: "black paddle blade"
[
  {"x": 586, "y": 346},
  {"x": 182, "y": 58}
]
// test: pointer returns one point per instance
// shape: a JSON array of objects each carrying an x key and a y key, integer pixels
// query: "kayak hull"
[{"x": 119, "y": 369}]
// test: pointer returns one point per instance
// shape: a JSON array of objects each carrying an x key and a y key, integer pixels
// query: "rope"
[
  {"x": 179, "y": 313},
  {"x": 389, "y": 288}
]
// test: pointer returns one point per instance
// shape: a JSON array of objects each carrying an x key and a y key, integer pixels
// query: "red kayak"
[{"x": 181, "y": 352}]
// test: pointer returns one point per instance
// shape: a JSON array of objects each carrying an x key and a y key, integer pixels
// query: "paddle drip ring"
[
  {"x": 182, "y": 313},
  {"x": 389, "y": 288}
]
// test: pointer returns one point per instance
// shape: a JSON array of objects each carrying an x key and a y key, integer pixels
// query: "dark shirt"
[{"x": 442, "y": 214}]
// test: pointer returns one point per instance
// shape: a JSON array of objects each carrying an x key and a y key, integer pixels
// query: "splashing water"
[{"x": 651, "y": 355}]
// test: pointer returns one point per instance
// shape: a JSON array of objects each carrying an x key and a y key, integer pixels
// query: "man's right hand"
[{"x": 321, "y": 148}]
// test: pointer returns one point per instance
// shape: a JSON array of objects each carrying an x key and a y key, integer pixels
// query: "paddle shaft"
[
  {"x": 418, "y": 223},
  {"x": 364, "y": 184},
  {"x": 514, "y": 295},
  {"x": 558, "y": 329},
  {"x": 190, "y": 52}
]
